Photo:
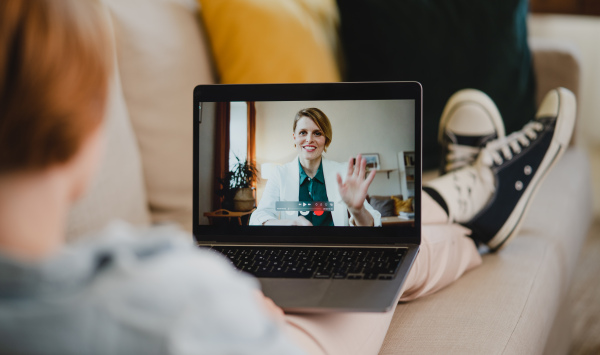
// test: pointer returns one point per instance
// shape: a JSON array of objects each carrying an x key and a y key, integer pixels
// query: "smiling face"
[{"x": 309, "y": 139}]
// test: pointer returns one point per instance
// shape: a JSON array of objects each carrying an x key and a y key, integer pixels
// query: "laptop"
[{"x": 266, "y": 193}]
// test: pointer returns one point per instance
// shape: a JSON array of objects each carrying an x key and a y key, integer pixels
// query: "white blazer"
[{"x": 284, "y": 185}]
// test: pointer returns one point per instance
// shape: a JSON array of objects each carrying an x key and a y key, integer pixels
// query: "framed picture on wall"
[{"x": 372, "y": 161}]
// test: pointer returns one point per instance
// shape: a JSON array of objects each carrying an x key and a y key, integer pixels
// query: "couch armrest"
[{"x": 556, "y": 63}]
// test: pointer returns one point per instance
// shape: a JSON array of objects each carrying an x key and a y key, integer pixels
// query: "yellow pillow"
[
  {"x": 273, "y": 41},
  {"x": 402, "y": 206}
]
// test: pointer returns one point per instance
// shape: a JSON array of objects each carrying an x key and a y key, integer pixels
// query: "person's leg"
[
  {"x": 446, "y": 250},
  {"x": 446, "y": 253},
  {"x": 347, "y": 333}
]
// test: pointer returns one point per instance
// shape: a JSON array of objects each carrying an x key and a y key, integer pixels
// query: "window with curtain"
[{"x": 235, "y": 133}]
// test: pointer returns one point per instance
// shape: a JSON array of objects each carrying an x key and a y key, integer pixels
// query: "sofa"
[
  {"x": 394, "y": 209},
  {"x": 515, "y": 303}
]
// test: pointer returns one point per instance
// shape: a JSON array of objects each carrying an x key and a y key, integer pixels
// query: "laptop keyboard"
[{"x": 317, "y": 263}]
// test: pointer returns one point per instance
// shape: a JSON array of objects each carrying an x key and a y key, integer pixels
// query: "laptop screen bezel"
[{"x": 309, "y": 92}]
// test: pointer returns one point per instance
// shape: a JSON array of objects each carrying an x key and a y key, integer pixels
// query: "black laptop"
[{"x": 267, "y": 194}]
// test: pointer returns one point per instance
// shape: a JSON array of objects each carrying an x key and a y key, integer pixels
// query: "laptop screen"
[{"x": 287, "y": 170}]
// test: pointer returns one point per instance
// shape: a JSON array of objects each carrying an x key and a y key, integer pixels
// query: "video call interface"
[{"x": 278, "y": 163}]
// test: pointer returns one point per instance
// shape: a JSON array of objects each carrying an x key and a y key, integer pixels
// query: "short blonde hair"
[
  {"x": 320, "y": 119},
  {"x": 55, "y": 61}
]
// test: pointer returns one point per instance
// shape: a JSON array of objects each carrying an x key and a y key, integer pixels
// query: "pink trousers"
[{"x": 446, "y": 253}]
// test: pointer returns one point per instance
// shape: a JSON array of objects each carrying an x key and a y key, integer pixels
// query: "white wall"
[{"x": 385, "y": 127}]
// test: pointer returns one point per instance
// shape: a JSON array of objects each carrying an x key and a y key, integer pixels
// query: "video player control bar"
[{"x": 304, "y": 206}]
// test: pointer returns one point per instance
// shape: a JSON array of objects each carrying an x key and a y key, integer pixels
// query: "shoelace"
[
  {"x": 460, "y": 155},
  {"x": 502, "y": 149}
]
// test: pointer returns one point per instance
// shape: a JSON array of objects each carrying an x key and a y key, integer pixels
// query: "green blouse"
[{"x": 313, "y": 189}]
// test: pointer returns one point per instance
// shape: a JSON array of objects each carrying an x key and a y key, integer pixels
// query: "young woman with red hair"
[{"x": 114, "y": 293}]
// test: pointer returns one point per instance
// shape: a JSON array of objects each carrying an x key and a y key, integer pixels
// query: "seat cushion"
[
  {"x": 508, "y": 304},
  {"x": 162, "y": 56},
  {"x": 118, "y": 189},
  {"x": 383, "y": 204}
]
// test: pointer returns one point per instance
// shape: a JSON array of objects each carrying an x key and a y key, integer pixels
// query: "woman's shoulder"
[{"x": 288, "y": 167}]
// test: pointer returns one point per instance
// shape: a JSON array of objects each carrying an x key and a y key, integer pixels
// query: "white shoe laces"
[
  {"x": 460, "y": 155},
  {"x": 502, "y": 149}
]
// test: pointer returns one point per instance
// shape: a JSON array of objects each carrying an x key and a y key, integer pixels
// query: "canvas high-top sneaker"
[
  {"x": 491, "y": 196},
  {"x": 470, "y": 120}
]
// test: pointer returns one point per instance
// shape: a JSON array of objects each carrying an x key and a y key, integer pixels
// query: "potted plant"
[{"x": 237, "y": 190}]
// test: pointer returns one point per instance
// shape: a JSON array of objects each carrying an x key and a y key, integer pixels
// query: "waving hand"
[{"x": 354, "y": 189}]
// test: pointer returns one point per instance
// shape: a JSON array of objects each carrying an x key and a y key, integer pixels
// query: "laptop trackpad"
[{"x": 295, "y": 292}]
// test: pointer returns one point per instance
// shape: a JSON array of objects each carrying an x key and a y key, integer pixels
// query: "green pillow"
[{"x": 446, "y": 45}]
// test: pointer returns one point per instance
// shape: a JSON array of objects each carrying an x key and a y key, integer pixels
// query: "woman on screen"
[{"x": 312, "y": 178}]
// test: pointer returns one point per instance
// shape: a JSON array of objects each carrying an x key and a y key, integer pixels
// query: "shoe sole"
[
  {"x": 560, "y": 141},
  {"x": 471, "y": 96}
]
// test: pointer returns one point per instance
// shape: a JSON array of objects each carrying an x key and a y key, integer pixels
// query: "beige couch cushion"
[
  {"x": 162, "y": 57},
  {"x": 118, "y": 190},
  {"x": 509, "y": 304}
]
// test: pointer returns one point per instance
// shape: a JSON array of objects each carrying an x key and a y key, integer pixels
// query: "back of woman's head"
[{"x": 55, "y": 60}]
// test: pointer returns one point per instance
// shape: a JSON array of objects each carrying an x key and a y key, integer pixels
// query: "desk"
[
  {"x": 242, "y": 217},
  {"x": 396, "y": 221}
]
